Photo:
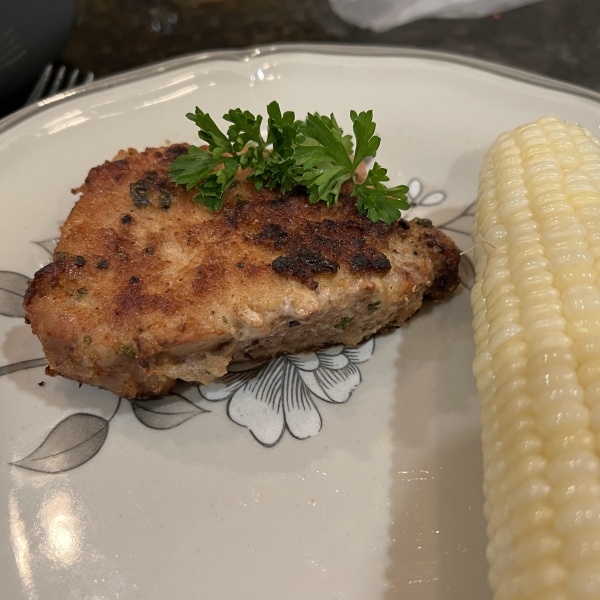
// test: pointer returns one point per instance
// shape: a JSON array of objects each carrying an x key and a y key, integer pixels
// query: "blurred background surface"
[{"x": 559, "y": 38}]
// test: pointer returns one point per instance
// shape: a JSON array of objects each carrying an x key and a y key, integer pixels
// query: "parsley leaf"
[
  {"x": 244, "y": 129},
  {"x": 313, "y": 153},
  {"x": 378, "y": 202},
  {"x": 324, "y": 154},
  {"x": 367, "y": 143},
  {"x": 211, "y": 176},
  {"x": 210, "y": 132},
  {"x": 329, "y": 138},
  {"x": 280, "y": 165}
]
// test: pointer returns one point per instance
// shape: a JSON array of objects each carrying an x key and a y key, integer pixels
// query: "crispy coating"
[{"x": 147, "y": 286}]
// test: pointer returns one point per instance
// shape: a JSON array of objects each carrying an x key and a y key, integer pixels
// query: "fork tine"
[
  {"x": 72, "y": 79},
  {"x": 57, "y": 80},
  {"x": 41, "y": 84},
  {"x": 54, "y": 78}
]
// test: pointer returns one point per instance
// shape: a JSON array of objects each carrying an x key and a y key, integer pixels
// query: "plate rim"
[{"x": 324, "y": 49}]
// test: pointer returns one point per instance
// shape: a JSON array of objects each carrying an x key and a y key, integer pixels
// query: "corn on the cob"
[{"x": 536, "y": 306}]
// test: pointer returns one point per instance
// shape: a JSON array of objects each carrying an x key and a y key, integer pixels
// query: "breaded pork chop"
[{"x": 147, "y": 286}]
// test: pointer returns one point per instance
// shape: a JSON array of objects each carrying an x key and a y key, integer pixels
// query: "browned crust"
[{"x": 138, "y": 282}]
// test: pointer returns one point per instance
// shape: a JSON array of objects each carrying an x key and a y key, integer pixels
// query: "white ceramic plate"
[{"x": 382, "y": 498}]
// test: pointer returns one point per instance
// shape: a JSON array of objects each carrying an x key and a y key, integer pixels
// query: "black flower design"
[
  {"x": 269, "y": 397},
  {"x": 417, "y": 197}
]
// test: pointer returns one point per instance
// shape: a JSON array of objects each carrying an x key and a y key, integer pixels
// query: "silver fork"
[{"x": 57, "y": 78}]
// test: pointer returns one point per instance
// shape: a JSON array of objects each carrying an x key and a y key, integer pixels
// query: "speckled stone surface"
[{"x": 559, "y": 38}]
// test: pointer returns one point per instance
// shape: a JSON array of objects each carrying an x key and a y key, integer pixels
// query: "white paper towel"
[{"x": 381, "y": 15}]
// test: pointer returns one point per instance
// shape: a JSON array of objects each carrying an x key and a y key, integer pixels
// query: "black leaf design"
[
  {"x": 48, "y": 245},
  {"x": 466, "y": 271},
  {"x": 12, "y": 289},
  {"x": 167, "y": 412},
  {"x": 21, "y": 366},
  {"x": 70, "y": 444}
]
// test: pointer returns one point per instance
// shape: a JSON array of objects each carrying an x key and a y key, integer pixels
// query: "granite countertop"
[{"x": 559, "y": 38}]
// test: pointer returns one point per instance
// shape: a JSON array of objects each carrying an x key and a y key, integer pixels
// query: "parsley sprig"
[{"x": 313, "y": 153}]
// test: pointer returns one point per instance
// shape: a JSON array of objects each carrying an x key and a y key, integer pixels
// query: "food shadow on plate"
[
  {"x": 425, "y": 363},
  {"x": 437, "y": 530}
]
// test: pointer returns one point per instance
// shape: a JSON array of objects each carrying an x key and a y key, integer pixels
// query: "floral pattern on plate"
[{"x": 271, "y": 396}]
